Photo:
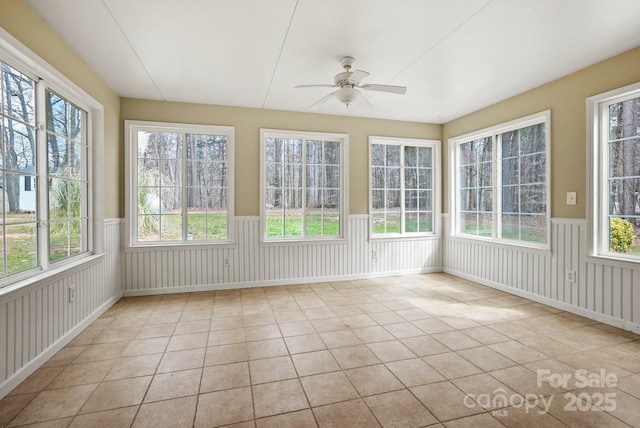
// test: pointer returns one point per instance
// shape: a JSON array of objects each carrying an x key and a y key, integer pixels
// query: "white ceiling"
[{"x": 454, "y": 56}]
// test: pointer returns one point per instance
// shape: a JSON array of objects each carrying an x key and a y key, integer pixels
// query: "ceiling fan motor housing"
[{"x": 342, "y": 80}]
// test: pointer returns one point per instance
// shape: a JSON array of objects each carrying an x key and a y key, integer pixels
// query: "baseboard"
[
  {"x": 271, "y": 283},
  {"x": 606, "y": 319},
  {"x": 18, "y": 377}
]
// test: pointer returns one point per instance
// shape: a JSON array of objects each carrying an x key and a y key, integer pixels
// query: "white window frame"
[
  {"x": 454, "y": 179},
  {"x": 597, "y": 173},
  {"x": 344, "y": 186},
  {"x": 434, "y": 145},
  {"x": 131, "y": 167},
  {"x": 17, "y": 55}
]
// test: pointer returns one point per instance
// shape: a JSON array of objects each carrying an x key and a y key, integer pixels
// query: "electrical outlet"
[
  {"x": 227, "y": 262},
  {"x": 72, "y": 293},
  {"x": 374, "y": 254},
  {"x": 571, "y": 276}
]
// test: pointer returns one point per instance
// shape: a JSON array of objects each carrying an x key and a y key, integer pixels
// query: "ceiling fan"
[{"x": 348, "y": 83}]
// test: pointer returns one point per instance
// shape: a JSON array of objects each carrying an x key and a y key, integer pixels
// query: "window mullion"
[
  {"x": 185, "y": 196},
  {"x": 402, "y": 197},
  {"x": 42, "y": 188},
  {"x": 497, "y": 187},
  {"x": 304, "y": 187}
]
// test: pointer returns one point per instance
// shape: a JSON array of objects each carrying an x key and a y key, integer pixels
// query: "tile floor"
[{"x": 411, "y": 351}]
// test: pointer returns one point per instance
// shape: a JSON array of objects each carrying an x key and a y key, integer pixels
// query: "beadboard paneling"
[
  {"x": 253, "y": 264},
  {"x": 38, "y": 320},
  {"x": 603, "y": 291}
]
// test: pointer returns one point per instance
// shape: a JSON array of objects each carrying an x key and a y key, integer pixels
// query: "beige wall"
[
  {"x": 566, "y": 97},
  {"x": 22, "y": 22},
  {"x": 248, "y": 122}
]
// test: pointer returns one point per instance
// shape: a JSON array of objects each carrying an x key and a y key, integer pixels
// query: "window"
[
  {"x": 404, "y": 191},
  {"x": 614, "y": 175},
  {"x": 304, "y": 182},
  {"x": 180, "y": 183},
  {"x": 44, "y": 178},
  {"x": 501, "y": 182}
]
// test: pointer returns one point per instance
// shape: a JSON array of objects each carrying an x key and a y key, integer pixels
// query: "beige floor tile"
[
  {"x": 484, "y": 420},
  {"x": 10, "y": 406},
  {"x": 444, "y": 400},
  {"x": 317, "y": 362},
  {"x": 117, "y": 393},
  {"x": 391, "y": 351},
  {"x": 518, "y": 352},
  {"x": 65, "y": 356},
  {"x": 306, "y": 343},
  {"x": 226, "y": 323},
  {"x": 226, "y": 337},
  {"x": 424, "y": 345},
  {"x": 119, "y": 335},
  {"x": 224, "y": 408},
  {"x": 372, "y": 380},
  {"x": 384, "y": 318},
  {"x": 186, "y": 327},
  {"x": 354, "y": 356},
  {"x": 82, "y": 374},
  {"x": 399, "y": 409},
  {"x": 176, "y": 413},
  {"x": 105, "y": 351},
  {"x": 328, "y": 324},
  {"x": 318, "y": 313},
  {"x": 278, "y": 397},
  {"x": 452, "y": 365},
  {"x": 227, "y": 376},
  {"x": 630, "y": 384},
  {"x": 187, "y": 341},
  {"x": 487, "y": 392},
  {"x": 299, "y": 419},
  {"x": 358, "y": 321},
  {"x": 54, "y": 404},
  {"x": 524, "y": 381},
  {"x": 163, "y": 318},
  {"x": 146, "y": 346},
  {"x": 328, "y": 388},
  {"x": 296, "y": 328},
  {"x": 432, "y": 326},
  {"x": 174, "y": 385},
  {"x": 414, "y": 372},
  {"x": 271, "y": 370},
  {"x": 372, "y": 334},
  {"x": 116, "y": 418},
  {"x": 455, "y": 340},
  {"x": 340, "y": 338},
  {"x": 262, "y": 332},
  {"x": 226, "y": 354},
  {"x": 346, "y": 414},
  {"x": 525, "y": 417},
  {"x": 346, "y": 310},
  {"x": 37, "y": 381},
  {"x": 156, "y": 330},
  {"x": 627, "y": 408},
  {"x": 547, "y": 345},
  {"x": 403, "y": 330},
  {"x": 460, "y": 322},
  {"x": 582, "y": 419},
  {"x": 182, "y": 360},
  {"x": 134, "y": 366},
  {"x": 290, "y": 316},
  {"x": 198, "y": 315},
  {"x": 413, "y": 314},
  {"x": 266, "y": 349},
  {"x": 486, "y": 358},
  {"x": 55, "y": 423},
  {"x": 485, "y": 335}
]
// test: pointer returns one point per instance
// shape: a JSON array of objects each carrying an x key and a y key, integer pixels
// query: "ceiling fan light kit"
[{"x": 348, "y": 83}]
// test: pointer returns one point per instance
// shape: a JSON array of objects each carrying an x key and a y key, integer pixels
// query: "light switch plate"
[{"x": 571, "y": 198}]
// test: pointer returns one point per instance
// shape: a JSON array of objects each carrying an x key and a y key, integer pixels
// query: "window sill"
[
  {"x": 179, "y": 247},
  {"x": 610, "y": 260},
  {"x": 544, "y": 251},
  {"x": 28, "y": 285},
  {"x": 398, "y": 238},
  {"x": 303, "y": 242}
]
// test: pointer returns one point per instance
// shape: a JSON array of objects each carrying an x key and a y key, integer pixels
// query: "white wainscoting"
[
  {"x": 150, "y": 271},
  {"x": 36, "y": 321},
  {"x": 604, "y": 291}
]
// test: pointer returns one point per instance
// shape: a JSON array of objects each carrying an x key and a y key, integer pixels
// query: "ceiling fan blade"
[
  {"x": 319, "y": 85},
  {"x": 385, "y": 88},
  {"x": 322, "y": 100},
  {"x": 358, "y": 75}
]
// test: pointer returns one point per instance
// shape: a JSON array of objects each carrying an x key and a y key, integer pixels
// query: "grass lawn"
[{"x": 314, "y": 225}]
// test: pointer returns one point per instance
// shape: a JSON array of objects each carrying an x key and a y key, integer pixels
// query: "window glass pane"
[
  {"x": 411, "y": 199},
  {"x": 393, "y": 155},
  {"x": 410, "y": 178},
  {"x": 533, "y": 199},
  {"x": 273, "y": 149},
  {"x": 313, "y": 223},
  {"x": 532, "y": 139},
  {"x": 292, "y": 175},
  {"x": 170, "y": 200},
  {"x": 425, "y": 222},
  {"x": 19, "y": 146},
  {"x": 171, "y": 227},
  {"x": 293, "y": 224},
  {"x": 314, "y": 177},
  {"x": 377, "y": 199},
  {"x": 468, "y": 176},
  {"x": 274, "y": 225},
  {"x": 425, "y": 178},
  {"x": 485, "y": 225},
  {"x": 273, "y": 199},
  {"x": 511, "y": 199},
  {"x": 424, "y": 200},
  {"x": 623, "y": 157},
  {"x": 18, "y": 95},
  {"x": 378, "y": 175},
  {"x": 57, "y": 114},
  {"x": 411, "y": 222},
  {"x": 511, "y": 226},
  {"x": 59, "y": 234},
  {"x": 314, "y": 152},
  {"x": 469, "y": 223},
  {"x": 485, "y": 177},
  {"x": 332, "y": 177},
  {"x": 331, "y": 222},
  {"x": 510, "y": 144},
  {"x": 393, "y": 199},
  {"x": 393, "y": 178},
  {"x": 393, "y": 222},
  {"x": 533, "y": 168},
  {"x": 468, "y": 200},
  {"x": 378, "y": 154},
  {"x": 332, "y": 152},
  {"x": 533, "y": 228},
  {"x": 624, "y": 118},
  {"x": 424, "y": 157},
  {"x": 410, "y": 157},
  {"x": 378, "y": 223},
  {"x": 293, "y": 151},
  {"x": 485, "y": 200},
  {"x": 510, "y": 171},
  {"x": 76, "y": 228}
]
